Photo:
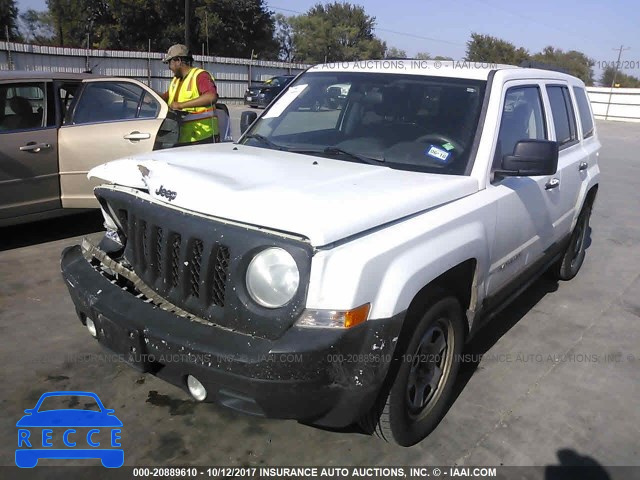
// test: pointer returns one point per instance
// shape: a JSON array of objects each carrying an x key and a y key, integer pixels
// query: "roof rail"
[{"x": 543, "y": 66}]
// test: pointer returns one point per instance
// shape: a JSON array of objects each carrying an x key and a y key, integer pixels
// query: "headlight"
[{"x": 272, "y": 278}]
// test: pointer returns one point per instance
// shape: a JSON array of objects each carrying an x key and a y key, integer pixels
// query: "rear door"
[
  {"x": 28, "y": 149},
  {"x": 571, "y": 154},
  {"x": 111, "y": 119}
]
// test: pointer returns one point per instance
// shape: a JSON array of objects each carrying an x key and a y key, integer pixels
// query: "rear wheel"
[
  {"x": 573, "y": 258},
  {"x": 420, "y": 393}
]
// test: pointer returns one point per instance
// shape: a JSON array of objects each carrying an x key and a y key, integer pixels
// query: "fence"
[
  {"x": 622, "y": 104},
  {"x": 232, "y": 74}
]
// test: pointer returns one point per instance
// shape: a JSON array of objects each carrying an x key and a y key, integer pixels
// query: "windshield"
[{"x": 399, "y": 121}]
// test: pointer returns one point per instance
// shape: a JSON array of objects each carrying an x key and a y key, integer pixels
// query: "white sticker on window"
[
  {"x": 438, "y": 153},
  {"x": 283, "y": 102}
]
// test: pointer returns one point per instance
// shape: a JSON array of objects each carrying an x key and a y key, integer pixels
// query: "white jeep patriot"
[{"x": 330, "y": 265}]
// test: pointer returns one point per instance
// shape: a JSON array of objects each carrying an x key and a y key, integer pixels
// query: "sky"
[{"x": 593, "y": 27}]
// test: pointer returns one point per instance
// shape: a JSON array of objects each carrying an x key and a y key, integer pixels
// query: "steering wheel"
[{"x": 440, "y": 139}]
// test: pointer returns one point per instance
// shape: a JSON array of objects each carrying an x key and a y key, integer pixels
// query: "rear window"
[
  {"x": 585, "y": 112},
  {"x": 563, "y": 116}
]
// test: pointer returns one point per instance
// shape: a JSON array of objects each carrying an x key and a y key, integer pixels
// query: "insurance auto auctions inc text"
[{"x": 376, "y": 472}]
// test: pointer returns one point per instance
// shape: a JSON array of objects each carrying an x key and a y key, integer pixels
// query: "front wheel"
[
  {"x": 420, "y": 393},
  {"x": 573, "y": 258}
]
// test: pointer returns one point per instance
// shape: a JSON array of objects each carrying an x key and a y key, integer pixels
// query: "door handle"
[
  {"x": 137, "y": 136},
  {"x": 553, "y": 183},
  {"x": 34, "y": 147},
  {"x": 583, "y": 166}
]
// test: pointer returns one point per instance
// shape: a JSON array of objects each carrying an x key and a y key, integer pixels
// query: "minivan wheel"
[
  {"x": 573, "y": 258},
  {"x": 420, "y": 393}
]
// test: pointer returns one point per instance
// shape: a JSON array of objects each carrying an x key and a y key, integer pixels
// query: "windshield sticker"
[
  {"x": 283, "y": 102},
  {"x": 441, "y": 155},
  {"x": 448, "y": 146}
]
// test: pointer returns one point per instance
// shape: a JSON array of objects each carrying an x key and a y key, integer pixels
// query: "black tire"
[
  {"x": 426, "y": 372},
  {"x": 573, "y": 257}
]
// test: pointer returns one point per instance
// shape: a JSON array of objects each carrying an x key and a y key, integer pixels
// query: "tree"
[
  {"x": 9, "y": 20},
  {"x": 422, "y": 56},
  {"x": 395, "y": 53},
  {"x": 621, "y": 79},
  {"x": 335, "y": 32},
  {"x": 574, "y": 62},
  {"x": 236, "y": 27},
  {"x": 37, "y": 27},
  {"x": 485, "y": 48},
  {"x": 284, "y": 36}
]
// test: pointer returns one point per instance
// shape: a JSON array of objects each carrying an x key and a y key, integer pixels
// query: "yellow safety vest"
[{"x": 201, "y": 123}]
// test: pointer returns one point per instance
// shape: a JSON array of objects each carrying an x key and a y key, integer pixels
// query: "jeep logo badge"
[{"x": 169, "y": 194}]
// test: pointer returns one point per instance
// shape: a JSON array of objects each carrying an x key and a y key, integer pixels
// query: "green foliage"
[
  {"x": 485, "y": 48},
  {"x": 235, "y": 27},
  {"x": 283, "y": 35},
  {"x": 395, "y": 53},
  {"x": 38, "y": 27},
  {"x": 574, "y": 62},
  {"x": 9, "y": 18},
  {"x": 622, "y": 80},
  {"x": 335, "y": 32}
]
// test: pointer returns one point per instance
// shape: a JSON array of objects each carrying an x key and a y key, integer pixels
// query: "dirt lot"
[{"x": 560, "y": 376}]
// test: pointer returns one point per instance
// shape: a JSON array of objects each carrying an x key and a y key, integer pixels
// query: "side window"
[
  {"x": 113, "y": 101},
  {"x": 149, "y": 107},
  {"x": 22, "y": 106},
  {"x": 67, "y": 96},
  {"x": 563, "y": 116},
  {"x": 585, "y": 112},
  {"x": 522, "y": 119}
]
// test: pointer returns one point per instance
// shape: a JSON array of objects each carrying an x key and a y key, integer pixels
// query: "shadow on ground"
[
  {"x": 44, "y": 231},
  {"x": 575, "y": 466}
]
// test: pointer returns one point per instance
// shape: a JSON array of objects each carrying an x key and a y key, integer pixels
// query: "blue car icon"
[{"x": 40, "y": 427}]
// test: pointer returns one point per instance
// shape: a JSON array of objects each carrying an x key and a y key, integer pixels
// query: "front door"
[
  {"x": 111, "y": 119},
  {"x": 528, "y": 208}
]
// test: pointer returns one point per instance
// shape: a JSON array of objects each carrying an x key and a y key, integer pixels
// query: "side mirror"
[
  {"x": 531, "y": 158},
  {"x": 246, "y": 119}
]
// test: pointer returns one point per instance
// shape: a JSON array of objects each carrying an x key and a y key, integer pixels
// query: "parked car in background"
[
  {"x": 271, "y": 89},
  {"x": 251, "y": 94},
  {"x": 54, "y": 127}
]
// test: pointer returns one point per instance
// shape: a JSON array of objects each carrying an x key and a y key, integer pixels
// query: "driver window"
[
  {"x": 522, "y": 119},
  {"x": 113, "y": 101}
]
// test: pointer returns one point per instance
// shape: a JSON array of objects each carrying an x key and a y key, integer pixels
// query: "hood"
[{"x": 322, "y": 199}]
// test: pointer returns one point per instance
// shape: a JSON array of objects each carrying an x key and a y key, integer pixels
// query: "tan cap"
[{"x": 177, "y": 50}]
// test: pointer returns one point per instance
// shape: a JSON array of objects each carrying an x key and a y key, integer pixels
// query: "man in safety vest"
[{"x": 194, "y": 91}]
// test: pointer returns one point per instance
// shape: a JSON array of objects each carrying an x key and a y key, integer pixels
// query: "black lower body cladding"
[{"x": 324, "y": 376}]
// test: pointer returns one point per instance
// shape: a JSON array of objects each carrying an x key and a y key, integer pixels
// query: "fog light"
[
  {"x": 91, "y": 327},
  {"x": 196, "y": 389}
]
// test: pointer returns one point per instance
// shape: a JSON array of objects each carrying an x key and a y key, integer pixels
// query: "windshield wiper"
[
  {"x": 355, "y": 156},
  {"x": 340, "y": 151},
  {"x": 266, "y": 141}
]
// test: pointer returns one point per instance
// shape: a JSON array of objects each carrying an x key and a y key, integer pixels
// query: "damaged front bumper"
[{"x": 324, "y": 376}]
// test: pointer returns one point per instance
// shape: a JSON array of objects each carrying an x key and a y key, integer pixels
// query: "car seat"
[{"x": 23, "y": 117}]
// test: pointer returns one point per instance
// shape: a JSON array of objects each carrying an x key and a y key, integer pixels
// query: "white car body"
[
  {"x": 322, "y": 274},
  {"x": 459, "y": 217}
]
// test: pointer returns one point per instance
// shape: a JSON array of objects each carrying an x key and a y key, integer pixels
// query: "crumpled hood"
[{"x": 322, "y": 199}]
